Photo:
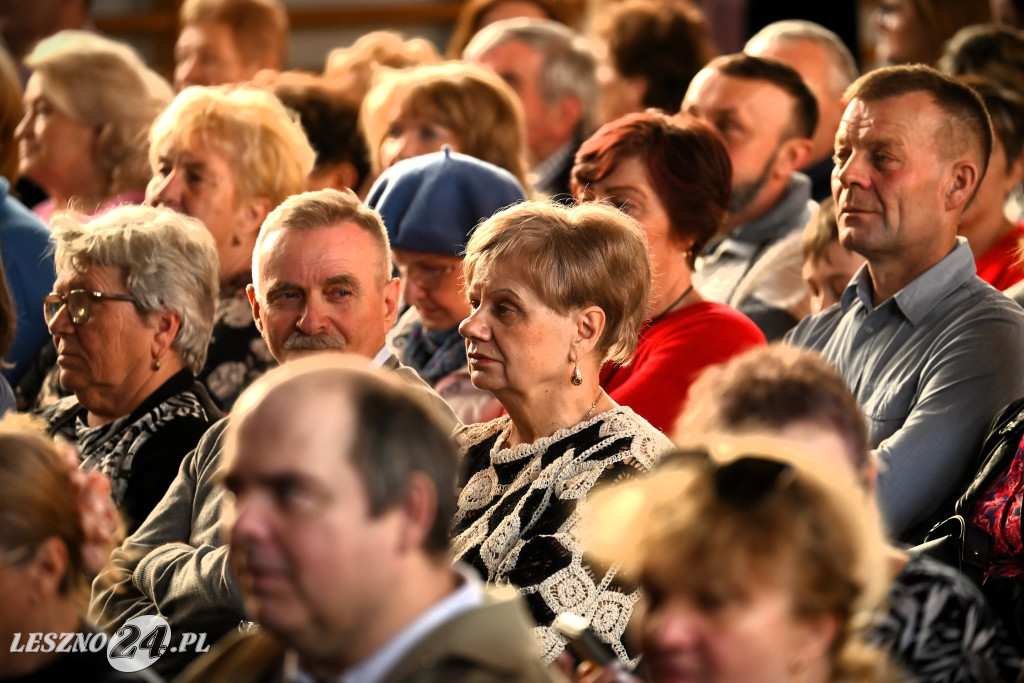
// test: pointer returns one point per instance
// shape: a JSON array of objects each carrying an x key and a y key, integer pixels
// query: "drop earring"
[{"x": 576, "y": 377}]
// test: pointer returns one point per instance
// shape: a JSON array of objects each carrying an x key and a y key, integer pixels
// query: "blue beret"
[{"x": 431, "y": 203}]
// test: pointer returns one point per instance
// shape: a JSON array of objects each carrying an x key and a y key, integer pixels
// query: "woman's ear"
[
  {"x": 47, "y": 569},
  {"x": 167, "y": 325},
  {"x": 814, "y": 638},
  {"x": 590, "y": 323},
  {"x": 251, "y": 214}
]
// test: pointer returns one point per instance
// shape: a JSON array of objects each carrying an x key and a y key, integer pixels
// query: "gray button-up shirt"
[{"x": 930, "y": 367}]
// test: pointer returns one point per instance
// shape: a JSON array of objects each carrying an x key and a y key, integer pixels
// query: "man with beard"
[
  {"x": 767, "y": 116},
  {"x": 321, "y": 281}
]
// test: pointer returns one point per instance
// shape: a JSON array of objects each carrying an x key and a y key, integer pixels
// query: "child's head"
[{"x": 828, "y": 265}]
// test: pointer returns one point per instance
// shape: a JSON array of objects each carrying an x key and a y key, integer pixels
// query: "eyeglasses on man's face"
[{"x": 78, "y": 303}]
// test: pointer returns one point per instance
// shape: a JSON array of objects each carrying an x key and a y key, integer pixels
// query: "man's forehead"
[
  {"x": 303, "y": 416},
  {"x": 718, "y": 90},
  {"x": 893, "y": 117},
  {"x": 335, "y": 239}
]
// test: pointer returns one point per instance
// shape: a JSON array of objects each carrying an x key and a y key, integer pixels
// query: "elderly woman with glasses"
[
  {"x": 131, "y": 315},
  {"x": 554, "y": 293},
  {"x": 430, "y": 204}
]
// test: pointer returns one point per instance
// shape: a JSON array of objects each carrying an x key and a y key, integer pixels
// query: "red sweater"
[
  {"x": 672, "y": 352},
  {"x": 998, "y": 265}
]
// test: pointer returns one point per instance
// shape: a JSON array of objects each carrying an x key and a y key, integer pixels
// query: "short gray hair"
[
  {"x": 842, "y": 66},
  {"x": 168, "y": 261},
  {"x": 569, "y": 67},
  {"x": 322, "y": 209},
  {"x": 105, "y": 84}
]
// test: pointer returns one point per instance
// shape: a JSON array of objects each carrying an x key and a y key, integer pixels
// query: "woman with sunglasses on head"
[
  {"x": 755, "y": 566},
  {"x": 554, "y": 293},
  {"x": 131, "y": 315},
  {"x": 935, "y": 623}
]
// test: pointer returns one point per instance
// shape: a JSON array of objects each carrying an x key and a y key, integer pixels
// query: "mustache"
[{"x": 300, "y": 341}]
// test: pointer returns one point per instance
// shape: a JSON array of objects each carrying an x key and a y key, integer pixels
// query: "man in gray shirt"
[{"x": 930, "y": 351}]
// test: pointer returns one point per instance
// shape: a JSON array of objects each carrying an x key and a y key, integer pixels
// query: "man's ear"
[
  {"x": 590, "y": 323},
  {"x": 250, "y": 292},
  {"x": 793, "y": 155},
  {"x": 392, "y": 295},
  {"x": 419, "y": 509},
  {"x": 963, "y": 180}
]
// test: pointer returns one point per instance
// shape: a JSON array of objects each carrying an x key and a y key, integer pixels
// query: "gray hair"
[
  {"x": 842, "y": 66},
  {"x": 168, "y": 261},
  {"x": 322, "y": 209},
  {"x": 569, "y": 67},
  {"x": 105, "y": 84}
]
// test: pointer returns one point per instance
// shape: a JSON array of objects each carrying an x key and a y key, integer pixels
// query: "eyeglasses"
[
  {"x": 426, "y": 276},
  {"x": 744, "y": 481},
  {"x": 78, "y": 303}
]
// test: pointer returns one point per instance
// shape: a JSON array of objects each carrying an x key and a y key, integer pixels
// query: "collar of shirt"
[
  {"x": 779, "y": 220},
  {"x": 746, "y": 240},
  {"x": 925, "y": 291},
  {"x": 469, "y": 595},
  {"x": 382, "y": 357}
]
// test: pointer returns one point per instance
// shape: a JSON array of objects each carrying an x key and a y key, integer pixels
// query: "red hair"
[{"x": 687, "y": 164}]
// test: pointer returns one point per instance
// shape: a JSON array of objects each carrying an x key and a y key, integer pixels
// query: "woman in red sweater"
[{"x": 673, "y": 175}]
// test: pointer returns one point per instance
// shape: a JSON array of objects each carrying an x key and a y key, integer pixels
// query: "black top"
[{"x": 143, "y": 451}]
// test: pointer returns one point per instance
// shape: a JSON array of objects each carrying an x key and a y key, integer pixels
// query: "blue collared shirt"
[{"x": 930, "y": 367}]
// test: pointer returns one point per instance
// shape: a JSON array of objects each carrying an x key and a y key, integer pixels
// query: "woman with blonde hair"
[
  {"x": 88, "y": 107},
  {"x": 416, "y": 111},
  {"x": 554, "y": 293},
  {"x": 755, "y": 566}
]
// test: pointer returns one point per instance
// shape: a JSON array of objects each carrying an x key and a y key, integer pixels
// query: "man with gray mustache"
[{"x": 321, "y": 282}]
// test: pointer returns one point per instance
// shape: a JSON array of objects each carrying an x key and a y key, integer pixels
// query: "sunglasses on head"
[{"x": 746, "y": 480}]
